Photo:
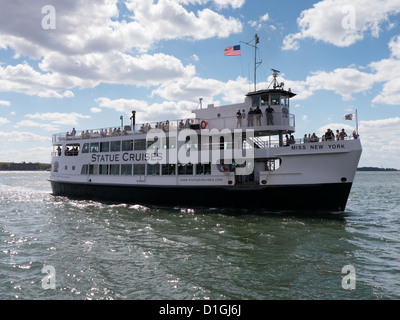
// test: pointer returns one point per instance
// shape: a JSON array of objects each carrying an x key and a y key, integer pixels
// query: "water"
[{"x": 103, "y": 251}]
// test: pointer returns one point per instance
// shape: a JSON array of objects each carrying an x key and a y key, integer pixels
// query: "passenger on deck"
[
  {"x": 238, "y": 119},
  {"x": 73, "y": 132},
  {"x": 314, "y": 138},
  {"x": 355, "y": 135},
  {"x": 329, "y": 136},
  {"x": 258, "y": 115},
  {"x": 342, "y": 134},
  {"x": 270, "y": 118},
  {"x": 243, "y": 116},
  {"x": 250, "y": 115}
]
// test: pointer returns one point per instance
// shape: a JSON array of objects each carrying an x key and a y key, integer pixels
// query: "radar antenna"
[{"x": 275, "y": 82}]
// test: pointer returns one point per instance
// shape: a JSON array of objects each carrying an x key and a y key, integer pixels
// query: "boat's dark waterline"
[{"x": 331, "y": 197}]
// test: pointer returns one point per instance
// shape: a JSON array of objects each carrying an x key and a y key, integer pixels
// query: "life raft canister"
[{"x": 203, "y": 124}]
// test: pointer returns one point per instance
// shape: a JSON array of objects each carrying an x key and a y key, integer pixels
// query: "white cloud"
[
  {"x": 23, "y": 78},
  {"x": 30, "y": 123},
  {"x": 149, "y": 113},
  {"x": 116, "y": 67},
  {"x": 5, "y": 103},
  {"x": 22, "y": 136},
  {"x": 91, "y": 42},
  {"x": 341, "y": 22},
  {"x": 343, "y": 81},
  {"x": 260, "y": 23},
  {"x": 4, "y": 121},
  {"x": 95, "y": 110},
  {"x": 59, "y": 118}
]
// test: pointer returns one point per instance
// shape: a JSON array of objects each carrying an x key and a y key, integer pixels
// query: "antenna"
[
  {"x": 274, "y": 81},
  {"x": 256, "y": 64}
]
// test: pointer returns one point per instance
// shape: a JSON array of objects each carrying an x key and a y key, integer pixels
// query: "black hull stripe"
[{"x": 317, "y": 197}]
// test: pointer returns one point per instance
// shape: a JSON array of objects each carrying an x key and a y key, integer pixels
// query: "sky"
[{"x": 84, "y": 63}]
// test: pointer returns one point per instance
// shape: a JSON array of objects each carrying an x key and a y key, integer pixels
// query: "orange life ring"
[{"x": 203, "y": 124}]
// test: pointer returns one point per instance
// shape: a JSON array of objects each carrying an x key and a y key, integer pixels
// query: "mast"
[
  {"x": 257, "y": 40},
  {"x": 256, "y": 64}
]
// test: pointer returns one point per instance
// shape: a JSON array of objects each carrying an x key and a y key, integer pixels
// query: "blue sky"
[{"x": 83, "y": 64}]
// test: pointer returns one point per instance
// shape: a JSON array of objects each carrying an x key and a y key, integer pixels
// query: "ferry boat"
[{"x": 234, "y": 156}]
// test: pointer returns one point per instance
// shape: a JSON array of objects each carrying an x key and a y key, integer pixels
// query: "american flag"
[
  {"x": 349, "y": 116},
  {"x": 232, "y": 51}
]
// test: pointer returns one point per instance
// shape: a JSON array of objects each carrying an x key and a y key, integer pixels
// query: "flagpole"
[{"x": 356, "y": 121}]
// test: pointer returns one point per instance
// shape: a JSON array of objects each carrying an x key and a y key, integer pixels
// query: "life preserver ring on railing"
[{"x": 203, "y": 124}]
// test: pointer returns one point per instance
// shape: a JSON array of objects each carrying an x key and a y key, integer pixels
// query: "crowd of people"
[{"x": 329, "y": 136}]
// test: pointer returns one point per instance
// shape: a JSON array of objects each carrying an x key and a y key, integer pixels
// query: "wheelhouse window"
[
  {"x": 275, "y": 99},
  {"x": 265, "y": 100},
  {"x": 255, "y": 101}
]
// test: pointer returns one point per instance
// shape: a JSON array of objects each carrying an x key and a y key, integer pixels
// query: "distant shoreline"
[
  {"x": 375, "y": 169},
  {"x": 24, "y": 166}
]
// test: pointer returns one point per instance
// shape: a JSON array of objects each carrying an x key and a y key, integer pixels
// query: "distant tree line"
[
  {"x": 23, "y": 166},
  {"x": 376, "y": 169}
]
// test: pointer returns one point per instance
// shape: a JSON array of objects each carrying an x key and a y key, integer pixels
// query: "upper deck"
[{"x": 264, "y": 111}]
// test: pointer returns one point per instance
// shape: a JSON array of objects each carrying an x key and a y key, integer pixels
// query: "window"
[
  {"x": 203, "y": 168},
  {"x": 153, "y": 144},
  {"x": 94, "y": 147},
  {"x": 103, "y": 169},
  {"x": 185, "y": 169},
  {"x": 265, "y": 100},
  {"x": 140, "y": 144},
  {"x": 84, "y": 169},
  {"x": 72, "y": 149},
  {"x": 168, "y": 169},
  {"x": 115, "y": 146},
  {"x": 275, "y": 99},
  {"x": 93, "y": 169},
  {"x": 114, "y": 169},
  {"x": 85, "y": 148},
  {"x": 256, "y": 101},
  {"x": 126, "y": 169},
  {"x": 127, "y": 145},
  {"x": 139, "y": 169},
  {"x": 104, "y": 146},
  {"x": 153, "y": 169}
]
